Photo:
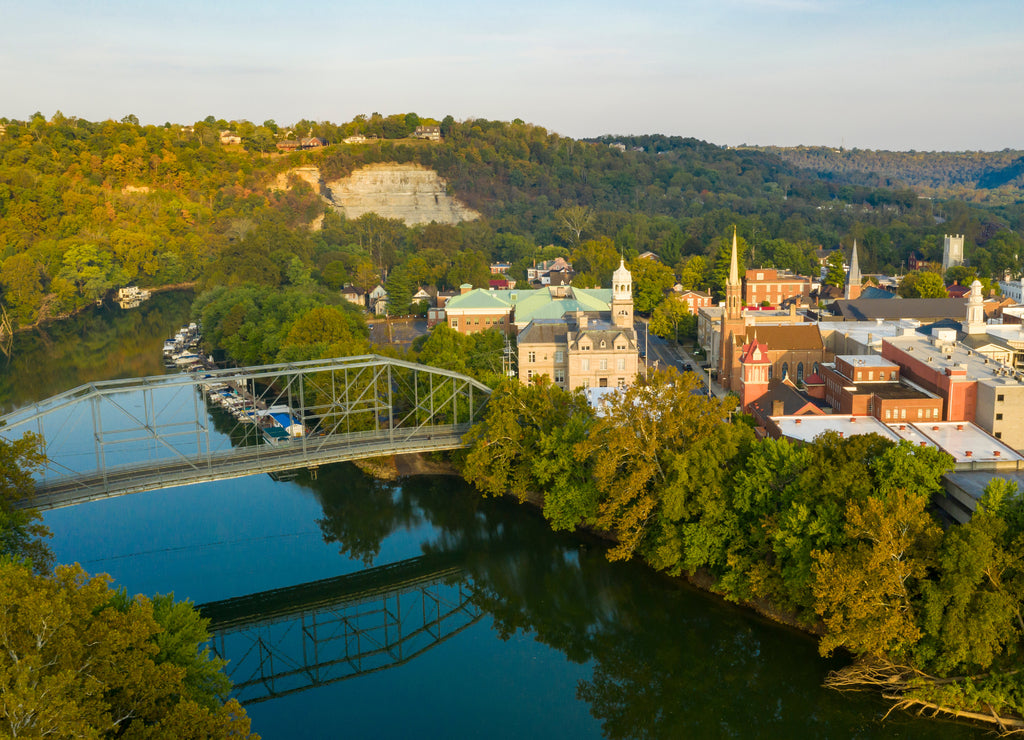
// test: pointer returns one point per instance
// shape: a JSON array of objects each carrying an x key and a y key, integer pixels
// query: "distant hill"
[{"x": 949, "y": 174}]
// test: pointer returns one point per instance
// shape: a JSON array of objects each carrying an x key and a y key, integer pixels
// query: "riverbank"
[
  {"x": 888, "y": 682},
  {"x": 46, "y": 316}
]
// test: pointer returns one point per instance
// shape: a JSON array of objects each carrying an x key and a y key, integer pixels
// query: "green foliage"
[
  {"x": 79, "y": 660},
  {"x": 835, "y": 274},
  {"x": 478, "y": 355},
  {"x": 922, "y": 285},
  {"x": 672, "y": 319},
  {"x": 254, "y": 324},
  {"x": 22, "y": 533},
  {"x": 650, "y": 281}
]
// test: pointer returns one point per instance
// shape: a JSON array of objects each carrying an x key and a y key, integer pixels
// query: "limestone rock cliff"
[{"x": 411, "y": 192}]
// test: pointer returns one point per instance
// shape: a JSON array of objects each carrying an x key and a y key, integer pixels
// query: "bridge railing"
[{"x": 176, "y": 429}]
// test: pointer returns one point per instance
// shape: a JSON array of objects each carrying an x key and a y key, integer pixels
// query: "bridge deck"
[{"x": 239, "y": 462}]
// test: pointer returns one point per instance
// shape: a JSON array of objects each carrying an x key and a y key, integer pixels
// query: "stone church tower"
[
  {"x": 622, "y": 296},
  {"x": 952, "y": 251}
]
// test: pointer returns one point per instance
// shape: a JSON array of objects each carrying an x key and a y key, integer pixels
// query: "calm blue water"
[{"x": 561, "y": 643}]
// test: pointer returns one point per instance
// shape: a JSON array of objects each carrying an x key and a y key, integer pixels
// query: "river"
[{"x": 419, "y": 609}]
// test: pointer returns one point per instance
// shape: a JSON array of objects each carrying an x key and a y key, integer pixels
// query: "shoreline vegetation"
[{"x": 833, "y": 538}]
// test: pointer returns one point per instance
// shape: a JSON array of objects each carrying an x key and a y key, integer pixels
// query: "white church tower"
[
  {"x": 975, "y": 323},
  {"x": 622, "y": 296}
]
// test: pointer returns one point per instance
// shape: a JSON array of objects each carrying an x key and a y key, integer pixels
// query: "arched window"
[
  {"x": 815, "y": 370},
  {"x": 800, "y": 372},
  {"x": 785, "y": 369}
]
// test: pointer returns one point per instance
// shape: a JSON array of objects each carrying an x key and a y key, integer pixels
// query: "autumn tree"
[
  {"x": 632, "y": 447},
  {"x": 80, "y": 660}
]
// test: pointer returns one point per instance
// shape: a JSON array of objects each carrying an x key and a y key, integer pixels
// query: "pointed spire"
[
  {"x": 853, "y": 278},
  {"x": 734, "y": 266}
]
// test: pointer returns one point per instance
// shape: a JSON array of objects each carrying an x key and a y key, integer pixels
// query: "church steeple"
[
  {"x": 975, "y": 323},
  {"x": 853, "y": 279},
  {"x": 733, "y": 288},
  {"x": 622, "y": 296}
]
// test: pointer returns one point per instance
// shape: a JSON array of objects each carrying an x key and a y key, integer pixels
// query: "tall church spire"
[
  {"x": 853, "y": 278},
  {"x": 734, "y": 266},
  {"x": 733, "y": 288}
]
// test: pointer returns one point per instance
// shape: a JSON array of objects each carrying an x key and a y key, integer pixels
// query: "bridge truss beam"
[{"x": 123, "y": 436}]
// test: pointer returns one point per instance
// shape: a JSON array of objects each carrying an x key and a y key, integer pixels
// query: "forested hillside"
[
  {"x": 984, "y": 177},
  {"x": 86, "y": 207}
]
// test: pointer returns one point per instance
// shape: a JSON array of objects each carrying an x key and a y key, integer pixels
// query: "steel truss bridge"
[
  {"x": 125, "y": 436},
  {"x": 292, "y": 639}
]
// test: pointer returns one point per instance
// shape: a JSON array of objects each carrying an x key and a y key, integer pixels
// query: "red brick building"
[
  {"x": 869, "y": 385},
  {"x": 773, "y": 286}
]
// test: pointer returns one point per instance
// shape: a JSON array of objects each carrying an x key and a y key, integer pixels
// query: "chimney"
[
  {"x": 840, "y": 435},
  {"x": 797, "y": 421},
  {"x": 959, "y": 427},
  {"x": 581, "y": 319},
  {"x": 778, "y": 408},
  {"x": 968, "y": 453},
  {"x": 996, "y": 453},
  {"x": 924, "y": 444},
  {"x": 465, "y": 288}
]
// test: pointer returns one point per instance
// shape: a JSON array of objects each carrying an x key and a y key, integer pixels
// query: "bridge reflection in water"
[
  {"x": 124, "y": 436},
  {"x": 292, "y": 639}
]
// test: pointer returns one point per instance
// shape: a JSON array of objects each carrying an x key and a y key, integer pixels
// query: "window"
[
  {"x": 771, "y": 371},
  {"x": 871, "y": 374},
  {"x": 604, "y": 364},
  {"x": 487, "y": 322},
  {"x": 927, "y": 413},
  {"x": 602, "y": 382},
  {"x": 585, "y": 365},
  {"x": 531, "y": 357},
  {"x": 455, "y": 323},
  {"x": 622, "y": 363},
  {"x": 584, "y": 347},
  {"x": 585, "y": 383},
  {"x": 800, "y": 372},
  {"x": 888, "y": 414},
  {"x": 559, "y": 376},
  {"x": 559, "y": 355},
  {"x": 999, "y": 417},
  {"x": 603, "y": 345},
  {"x": 529, "y": 374},
  {"x": 892, "y": 375},
  {"x": 621, "y": 383},
  {"x": 920, "y": 413},
  {"x": 999, "y": 435},
  {"x": 999, "y": 397},
  {"x": 903, "y": 413},
  {"x": 785, "y": 369}
]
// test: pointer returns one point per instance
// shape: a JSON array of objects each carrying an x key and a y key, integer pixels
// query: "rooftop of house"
[
  {"x": 793, "y": 402},
  {"x": 786, "y": 336},
  {"x": 544, "y": 331},
  {"x": 961, "y": 439},
  {"x": 806, "y": 428},
  {"x": 865, "y": 360},
  {"x": 866, "y": 309},
  {"x": 944, "y": 357}
]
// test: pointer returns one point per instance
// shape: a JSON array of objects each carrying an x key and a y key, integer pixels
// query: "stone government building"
[{"x": 579, "y": 338}]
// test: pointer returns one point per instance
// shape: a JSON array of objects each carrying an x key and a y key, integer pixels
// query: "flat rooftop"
[
  {"x": 965, "y": 441},
  {"x": 866, "y": 360},
  {"x": 806, "y": 428},
  {"x": 953, "y": 357}
]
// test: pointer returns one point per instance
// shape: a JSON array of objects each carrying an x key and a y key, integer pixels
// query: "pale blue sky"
[{"x": 880, "y": 74}]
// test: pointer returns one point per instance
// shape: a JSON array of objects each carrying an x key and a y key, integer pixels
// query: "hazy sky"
[{"x": 879, "y": 74}]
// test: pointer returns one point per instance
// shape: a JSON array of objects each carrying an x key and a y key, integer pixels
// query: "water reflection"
[
  {"x": 668, "y": 661},
  {"x": 100, "y": 344},
  {"x": 293, "y": 639}
]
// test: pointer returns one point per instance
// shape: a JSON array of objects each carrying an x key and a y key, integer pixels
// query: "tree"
[
  {"x": 632, "y": 445},
  {"x": 21, "y": 277},
  {"x": 594, "y": 262},
  {"x": 923, "y": 285},
  {"x": 573, "y": 221},
  {"x": 867, "y": 590},
  {"x": 693, "y": 272},
  {"x": 672, "y": 315},
  {"x": 21, "y": 530},
  {"x": 80, "y": 660},
  {"x": 835, "y": 272},
  {"x": 650, "y": 281}
]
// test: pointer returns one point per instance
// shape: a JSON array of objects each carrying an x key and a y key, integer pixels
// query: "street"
[{"x": 661, "y": 353}]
